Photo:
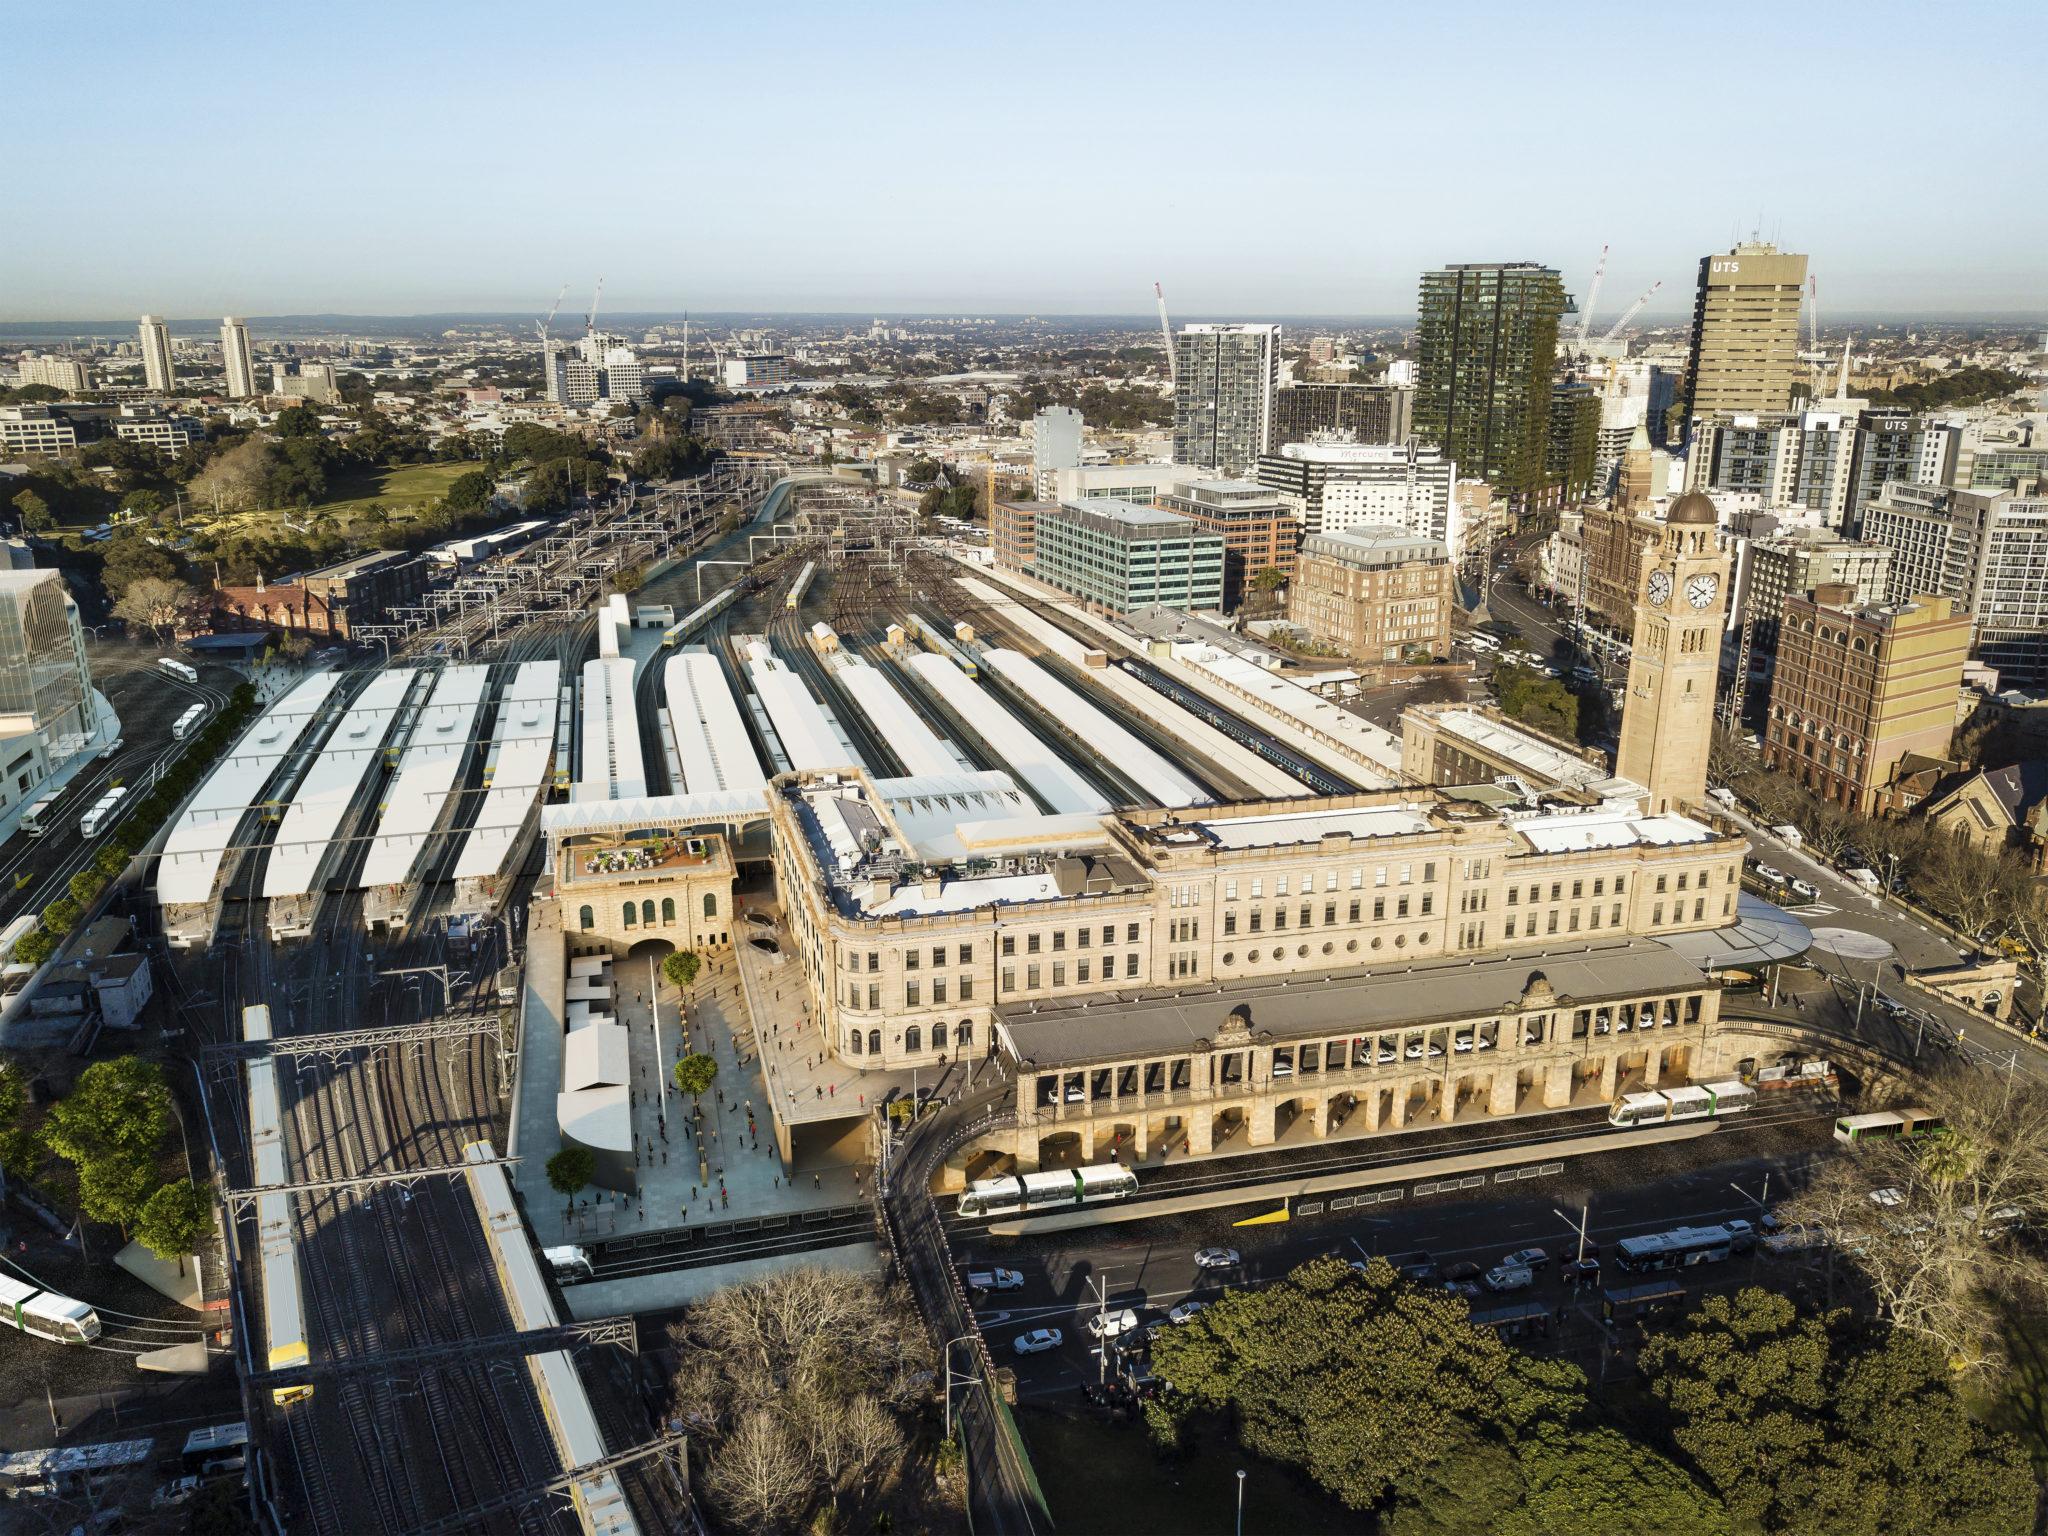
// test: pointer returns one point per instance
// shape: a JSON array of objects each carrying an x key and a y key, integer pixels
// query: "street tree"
[
  {"x": 1946, "y": 1262},
  {"x": 34, "y": 512},
  {"x": 110, "y": 1128},
  {"x": 176, "y": 1220},
  {"x": 757, "y": 1476},
  {"x": 157, "y": 603},
  {"x": 681, "y": 968},
  {"x": 1811, "y": 1425},
  {"x": 1584, "y": 1478},
  {"x": 571, "y": 1170},
  {"x": 695, "y": 1073},
  {"x": 1357, "y": 1379},
  {"x": 17, "y": 1140}
]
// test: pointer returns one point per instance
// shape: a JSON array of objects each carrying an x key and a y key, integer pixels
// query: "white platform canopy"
[
  {"x": 1030, "y": 759},
  {"x": 522, "y": 750},
  {"x": 418, "y": 793},
  {"x": 354, "y": 751}
]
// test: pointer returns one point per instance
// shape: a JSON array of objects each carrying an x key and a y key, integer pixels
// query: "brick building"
[{"x": 1379, "y": 594}]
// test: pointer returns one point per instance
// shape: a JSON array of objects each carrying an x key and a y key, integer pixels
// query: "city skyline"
[{"x": 936, "y": 165}]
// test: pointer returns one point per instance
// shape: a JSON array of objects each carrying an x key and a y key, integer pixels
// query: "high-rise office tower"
[
  {"x": 157, "y": 372},
  {"x": 1488, "y": 339},
  {"x": 240, "y": 362},
  {"x": 1745, "y": 332},
  {"x": 1226, "y": 376}
]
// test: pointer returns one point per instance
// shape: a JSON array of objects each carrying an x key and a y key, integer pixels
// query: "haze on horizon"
[{"x": 914, "y": 158}]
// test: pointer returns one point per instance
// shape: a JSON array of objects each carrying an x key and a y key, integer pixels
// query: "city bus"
[
  {"x": 92, "y": 821},
  {"x": 216, "y": 1449},
  {"x": 188, "y": 722},
  {"x": 35, "y": 820},
  {"x": 176, "y": 669},
  {"x": 1042, "y": 1191},
  {"x": 1682, "y": 1247}
]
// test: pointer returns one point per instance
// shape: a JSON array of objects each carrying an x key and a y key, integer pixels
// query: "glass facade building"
[
  {"x": 1488, "y": 340},
  {"x": 1128, "y": 558},
  {"x": 43, "y": 673}
]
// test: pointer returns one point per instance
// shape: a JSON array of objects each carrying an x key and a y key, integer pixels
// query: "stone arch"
[{"x": 651, "y": 947}]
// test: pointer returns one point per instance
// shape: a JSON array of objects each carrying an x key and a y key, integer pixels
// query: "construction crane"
[
  {"x": 543, "y": 325},
  {"x": 1166, "y": 332},
  {"x": 1592, "y": 298},
  {"x": 590, "y": 320},
  {"x": 1633, "y": 310}
]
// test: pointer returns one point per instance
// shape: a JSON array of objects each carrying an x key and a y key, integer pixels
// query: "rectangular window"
[
  {"x": 1684, "y": 878},
  {"x": 1130, "y": 965},
  {"x": 1511, "y": 927},
  {"x": 1429, "y": 874},
  {"x": 1572, "y": 926},
  {"x": 1258, "y": 921},
  {"x": 1229, "y": 924},
  {"x": 1578, "y": 889},
  {"x": 1619, "y": 888},
  {"x": 1030, "y": 978},
  {"x": 1379, "y": 909},
  {"x": 1081, "y": 937},
  {"x": 1009, "y": 944},
  {"x": 910, "y": 997},
  {"x": 1059, "y": 973},
  {"x": 1279, "y": 918},
  {"x": 1358, "y": 878},
  {"x": 938, "y": 990},
  {"x": 1131, "y": 934},
  {"x": 1660, "y": 885},
  {"x": 874, "y": 960},
  {"x": 1009, "y": 978},
  {"x": 874, "y": 997},
  {"x": 1428, "y": 902},
  {"x": 1307, "y": 915},
  {"x": 1280, "y": 886},
  {"x": 1354, "y": 911},
  {"x": 1059, "y": 942},
  {"x": 1657, "y": 913},
  {"x": 1407, "y": 874},
  {"x": 1329, "y": 913},
  {"x": 1514, "y": 895},
  {"x": 1401, "y": 907},
  {"x": 1081, "y": 972},
  {"x": 1614, "y": 917},
  {"x": 1030, "y": 943},
  {"x": 1258, "y": 889},
  {"x": 966, "y": 989},
  {"x": 1108, "y": 934},
  {"x": 1230, "y": 890},
  {"x": 967, "y": 954},
  {"x": 1699, "y": 908},
  {"x": 938, "y": 956},
  {"x": 1557, "y": 890},
  {"x": 910, "y": 959},
  {"x": 1379, "y": 876},
  {"x": 1599, "y": 887},
  {"x": 1550, "y": 925}
]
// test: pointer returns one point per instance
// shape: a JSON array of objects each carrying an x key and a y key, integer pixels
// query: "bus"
[
  {"x": 92, "y": 821},
  {"x": 1041, "y": 1191},
  {"x": 1681, "y": 1247},
  {"x": 36, "y": 819},
  {"x": 1667, "y": 1106},
  {"x": 176, "y": 669},
  {"x": 67, "y": 1471},
  {"x": 188, "y": 722},
  {"x": 215, "y": 1449},
  {"x": 1887, "y": 1125}
]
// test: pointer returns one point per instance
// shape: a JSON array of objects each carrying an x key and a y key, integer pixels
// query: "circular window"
[
  {"x": 1229, "y": 957},
  {"x": 1301, "y": 952},
  {"x": 1351, "y": 946},
  {"x": 1400, "y": 941},
  {"x": 1252, "y": 957},
  {"x": 1424, "y": 939},
  {"x": 1376, "y": 943},
  {"x": 1329, "y": 948}
]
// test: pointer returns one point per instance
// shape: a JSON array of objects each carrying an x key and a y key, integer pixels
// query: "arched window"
[
  {"x": 964, "y": 1035},
  {"x": 938, "y": 1037},
  {"x": 711, "y": 904},
  {"x": 853, "y": 1041},
  {"x": 874, "y": 1042},
  {"x": 647, "y": 912},
  {"x": 913, "y": 1039},
  {"x": 588, "y": 918},
  {"x": 668, "y": 910},
  {"x": 631, "y": 912}
]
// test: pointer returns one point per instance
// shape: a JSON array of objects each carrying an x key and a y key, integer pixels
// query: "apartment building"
[
  {"x": 1225, "y": 380},
  {"x": 35, "y": 430},
  {"x": 1378, "y": 595},
  {"x": 1357, "y": 413},
  {"x": 65, "y": 373},
  {"x": 1857, "y": 686},
  {"x": 1342, "y": 485},
  {"x": 158, "y": 374},
  {"x": 1984, "y": 550},
  {"x": 1487, "y": 334}
]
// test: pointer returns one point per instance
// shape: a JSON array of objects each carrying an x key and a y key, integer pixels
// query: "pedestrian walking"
[{"x": 816, "y": 1182}]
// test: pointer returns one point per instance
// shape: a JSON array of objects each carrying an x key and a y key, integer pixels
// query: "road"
[{"x": 1150, "y": 1266}]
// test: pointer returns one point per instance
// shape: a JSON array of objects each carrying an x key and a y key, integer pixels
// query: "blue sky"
[{"x": 1256, "y": 158}]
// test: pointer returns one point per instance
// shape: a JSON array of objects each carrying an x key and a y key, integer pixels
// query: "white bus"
[
  {"x": 1682, "y": 1247},
  {"x": 177, "y": 669},
  {"x": 35, "y": 821},
  {"x": 188, "y": 722},
  {"x": 1042, "y": 1191},
  {"x": 102, "y": 811}
]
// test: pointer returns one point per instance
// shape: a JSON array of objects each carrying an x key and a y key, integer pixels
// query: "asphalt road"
[{"x": 1150, "y": 1265}]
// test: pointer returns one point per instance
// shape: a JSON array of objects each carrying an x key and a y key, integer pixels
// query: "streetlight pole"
[
  {"x": 1240, "y": 1501},
  {"x": 968, "y": 1377},
  {"x": 1585, "y": 1215},
  {"x": 1762, "y": 1202}
]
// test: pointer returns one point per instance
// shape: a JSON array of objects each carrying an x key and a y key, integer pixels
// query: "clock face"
[
  {"x": 1660, "y": 587},
  {"x": 1700, "y": 591}
]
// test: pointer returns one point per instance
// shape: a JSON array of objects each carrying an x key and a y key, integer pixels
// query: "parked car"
[
  {"x": 1464, "y": 1288},
  {"x": 1216, "y": 1258},
  {"x": 1463, "y": 1269},
  {"x": 1527, "y": 1258},
  {"x": 179, "y": 1490},
  {"x": 1503, "y": 1278},
  {"x": 1803, "y": 890},
  {"x": 1770, "y": 874},
  {"x": 1111, "y": 1325},
  {"x": 1185, "y": 1312},
  {"x": 1743, "y": 1235},
  {"x": 1038, "y": 1341},
  {"x": 994, "y": 1280}
]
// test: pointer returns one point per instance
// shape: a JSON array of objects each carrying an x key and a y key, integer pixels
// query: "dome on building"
[{"x": 1693, "y": 507}]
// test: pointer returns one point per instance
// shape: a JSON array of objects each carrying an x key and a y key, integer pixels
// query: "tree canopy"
[
  {"x": 110, "y": 1127},
  {"x": 1530, "y": 697},
  {"x": 1813, "y": 1425},
  {"x": 681, "y": 967},
  {"x": 695, "y": 1073},
  {"x": 176, "y": 1219},
  {"x": 570, "y": 1169}
]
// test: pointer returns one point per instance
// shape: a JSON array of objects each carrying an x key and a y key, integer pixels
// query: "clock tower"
[{"x": 1667, "y": 719}]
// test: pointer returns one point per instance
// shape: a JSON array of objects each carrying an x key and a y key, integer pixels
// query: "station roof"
[
  {"x": 809, "y": 738},
  {"x": 916, "y": 745},
  {"x": 1570, "y": 831},
  {"x": 724, "y": 805},
  {"x": 1545, "y": 765},
  {"x": 1358, "y": 736},
  {"x": 418, "y": 792},
  {"x": 594, "y": 1055},
  {"x": 1030, "y": 758},
  {"x": 599, "y": 1118},
  {"x": 613, "y": 767},
  {"x": 197, "y": 842},
  {"x": 1290, "y": 828},
  {"x": 523, "y": 746},
  {"x": 355, "y": 750},
  {"x": 1132, "y": 757},
  {"x": 1123, "y": 1026},
  {"x": 714, "y": 749}
]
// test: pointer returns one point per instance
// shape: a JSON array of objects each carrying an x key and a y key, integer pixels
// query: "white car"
[
  {"x": 178, "y": 1491},
  {"x": 1216, "y": 1258},
  {"x": 1038, "y": 1341},
  {"x": 1802, "y": 890},
  {"x": 1185, "y": 1312},
  {"x": 1111, "y": 1325},
  {"x": 1770, "y": 875}
]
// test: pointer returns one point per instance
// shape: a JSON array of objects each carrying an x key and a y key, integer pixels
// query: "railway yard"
[{"x": 344, "y": 908}]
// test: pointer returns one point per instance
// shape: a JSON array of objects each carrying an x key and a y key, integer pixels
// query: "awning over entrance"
[{"x": 1763, "y": 934}]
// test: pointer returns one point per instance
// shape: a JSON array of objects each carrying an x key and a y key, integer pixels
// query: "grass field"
[{"x": 404, "y": 491}]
